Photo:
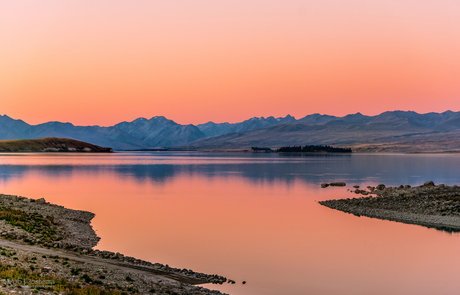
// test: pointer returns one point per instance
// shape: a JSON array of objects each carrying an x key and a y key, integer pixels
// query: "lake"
[{"x": 253, "y": 217}]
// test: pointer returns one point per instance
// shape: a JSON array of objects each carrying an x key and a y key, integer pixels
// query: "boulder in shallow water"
[
  {"x": 337, "y": 184},
  {"x": 380, "y": 187}
]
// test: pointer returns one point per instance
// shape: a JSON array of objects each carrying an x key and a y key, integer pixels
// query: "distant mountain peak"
[
  {"x": 159, "y": 118},
  {"x": 158, "y": 131}
]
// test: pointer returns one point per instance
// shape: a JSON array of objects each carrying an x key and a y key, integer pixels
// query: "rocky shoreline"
[
  {"x": 430, "y": 205},
  {"x": 29, "y": 227}
]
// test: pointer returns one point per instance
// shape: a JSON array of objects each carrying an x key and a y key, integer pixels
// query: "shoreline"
[
  {"x": 428, "y": 205},
  {"x": 36, "y": 228}
]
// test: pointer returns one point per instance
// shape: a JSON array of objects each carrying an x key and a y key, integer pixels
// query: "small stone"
[
  {"x": 324, "y": 185},
  {"x": 356, "y": 186},
  {"x": 380, "y": 187}
]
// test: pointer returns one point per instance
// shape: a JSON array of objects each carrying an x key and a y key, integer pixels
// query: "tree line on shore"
[{"x": 313, "y": 149}]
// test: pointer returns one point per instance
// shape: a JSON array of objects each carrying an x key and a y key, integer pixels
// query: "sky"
[{"x": 103, "y": 62}]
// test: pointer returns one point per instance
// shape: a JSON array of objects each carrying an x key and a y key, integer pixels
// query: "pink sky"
[{"x": 103, "y": 62}]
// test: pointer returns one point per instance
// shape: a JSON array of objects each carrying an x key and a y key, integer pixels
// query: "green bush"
[
  {"x": 128, "y": 278},
  {"x": 75, "y": 271}
]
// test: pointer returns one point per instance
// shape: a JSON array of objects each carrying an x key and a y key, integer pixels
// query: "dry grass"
[
  {"x": 30, "y": 222},
  {"x": 52, "y": 284},
  {"x": 41, "y": 144}
]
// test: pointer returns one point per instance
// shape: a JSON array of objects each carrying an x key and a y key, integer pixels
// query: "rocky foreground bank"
[
  {"x": 430, "y": 205},
  {"x": 47, "y": 242}
]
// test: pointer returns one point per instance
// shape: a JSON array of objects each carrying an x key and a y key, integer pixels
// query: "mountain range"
[{"x": 389, "y": 131}]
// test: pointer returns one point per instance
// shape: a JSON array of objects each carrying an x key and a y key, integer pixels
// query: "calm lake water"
[{"x": 253, "y": 217}]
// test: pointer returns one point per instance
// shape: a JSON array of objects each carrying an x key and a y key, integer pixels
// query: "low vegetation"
[
  {"x": 20, "y": 277},
  {"x": 50, "y": 144},
  {"x": 313, "y": 149},
  {"x": 30, "y": 222}
]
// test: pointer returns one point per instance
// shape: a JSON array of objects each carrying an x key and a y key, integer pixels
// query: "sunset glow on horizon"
[{"x": 100, "y": 63}]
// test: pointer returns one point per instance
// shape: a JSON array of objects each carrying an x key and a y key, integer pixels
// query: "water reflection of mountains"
[{"x": 313, "y": 169}]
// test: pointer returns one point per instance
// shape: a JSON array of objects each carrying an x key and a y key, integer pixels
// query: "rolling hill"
[{"x": 50, "y": 144}]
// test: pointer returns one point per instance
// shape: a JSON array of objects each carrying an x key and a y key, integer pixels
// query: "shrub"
[
  {"x": 75, "y": 271},
  {"x": 86, "y": 278},
  {"x": 128, "y": 278}
]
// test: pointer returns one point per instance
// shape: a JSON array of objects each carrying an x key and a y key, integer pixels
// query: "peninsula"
[
  {"x": 48, "y": 248},
  {"x": 50, "y": 144},
  {"x": 430, "y": 205}
]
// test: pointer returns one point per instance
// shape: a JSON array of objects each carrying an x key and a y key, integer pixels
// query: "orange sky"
[{"x": 103, "y": 62}]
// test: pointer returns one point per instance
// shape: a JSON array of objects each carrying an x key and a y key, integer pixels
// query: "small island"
[
  {"x": 313, "y": 149},
  {"x": 50, "y": 144}
]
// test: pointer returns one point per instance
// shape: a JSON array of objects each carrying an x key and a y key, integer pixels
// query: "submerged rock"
[{"x": 337, "y": 184}]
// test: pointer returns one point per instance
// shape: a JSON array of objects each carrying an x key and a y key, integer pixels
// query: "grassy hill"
[{"x": 50, "y": 144}]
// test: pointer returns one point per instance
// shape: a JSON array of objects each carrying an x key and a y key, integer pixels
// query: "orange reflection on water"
[{"x": 271, "y": 234}]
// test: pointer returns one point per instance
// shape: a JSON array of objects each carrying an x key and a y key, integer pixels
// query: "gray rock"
[
  {"x": 41, "y": 201},
  {"x": 429, "y": 183}
]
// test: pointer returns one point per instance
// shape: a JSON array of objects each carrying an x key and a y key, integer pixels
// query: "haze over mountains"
[{"x": 389, "y": 131}]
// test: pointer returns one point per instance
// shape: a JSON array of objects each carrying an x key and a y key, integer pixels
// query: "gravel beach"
[
  {"x": 47, "y": 242},
  {"x": 430, "y": 205}
]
